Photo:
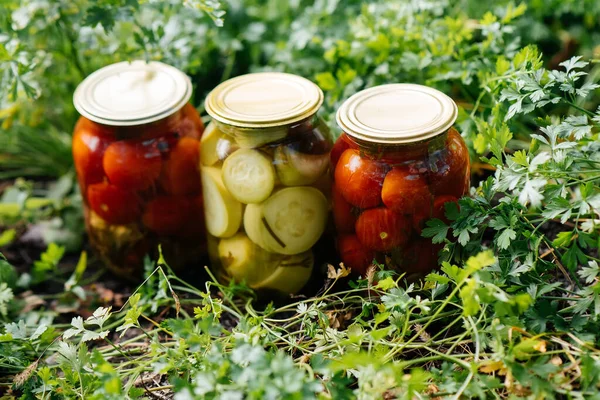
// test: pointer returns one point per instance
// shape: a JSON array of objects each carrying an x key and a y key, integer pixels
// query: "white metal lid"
[
  {"x": 397, "y": 113},
  {"x": 132, "y": 93},
  {"x": 264, "y": 99}
]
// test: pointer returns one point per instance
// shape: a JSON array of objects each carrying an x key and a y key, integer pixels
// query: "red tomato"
[
  {"x": 381, "y": 229},
  {"x": 450, "y": 173},
  {"x": 343, "y": 216},
  {"x": 437, "y": 211},
  {"x": 180, "y": 173},
  {"x": 342, "y": 144},
  {"x": 420, "y": 256},
  {"x": 133, "y": 165},
  {"x": 354, "y": 255},
  {"x": 166, "y": 215},
  {"x": 191, "y": 124},
  {"x": 405, "y": 192},
  {"x": 88, "y": 150},
  {"x": 113, "y": 204},
  {"x": 359, "y": 179}
]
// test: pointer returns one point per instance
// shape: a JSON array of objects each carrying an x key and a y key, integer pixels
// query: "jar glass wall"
[
  {"x": 385, "y": 191},
  {"x": 266, "y": 193},
  {"x": 141, "y": 187}
]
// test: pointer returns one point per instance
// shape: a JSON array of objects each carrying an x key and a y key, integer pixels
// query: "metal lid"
[
  {"x": 263, "y": 100},
  {"x": 397, "y": 113},
  {"x": 132, "y": 93}
]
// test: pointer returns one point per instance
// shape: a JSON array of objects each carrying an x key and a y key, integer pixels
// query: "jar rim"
[
  {"x": 264, "y": 100},
  {"x": 397, "y": 113},
  {"x": 132, "y": 93}
]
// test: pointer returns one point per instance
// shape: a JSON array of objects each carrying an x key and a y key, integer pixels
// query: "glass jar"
[
  {"x": 396, "y": 165},
  {"x": 136, "y": 149},
  {"x": 264, "y": 167}
]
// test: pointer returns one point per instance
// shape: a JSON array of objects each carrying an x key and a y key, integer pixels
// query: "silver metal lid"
[
  {"x": 397, "y": 113},
  {"x": 265, "y": 99},
  {"x": 132, "y": 93}
]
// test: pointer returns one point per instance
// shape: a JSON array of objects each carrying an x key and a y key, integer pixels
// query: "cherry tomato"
[
  {"x": 88, "y": 150},
  {"x": 342, "y": 144},
  {"x": 359, "y": 179},
  {"x": 180, "y": 173},
  {"x": 450, "y": 167},
  {"x": 342, "y": 212},
  {"x": 133, "y": 165},
  {"x": 382, "y": 229},
  {"x": 354, "y": 255},
  {"x": 420, "y": 256},
  {"x": 438, "y": 210},
  {"x": 166, "y": 215},
  {"x": 405, "y": 192},
  {"x": 113, "y": 204},
  {"x": 191, "y": 124}
]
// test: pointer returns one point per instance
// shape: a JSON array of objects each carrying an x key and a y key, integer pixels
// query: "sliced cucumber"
[
  {"x": 291, "y": 274},
  {"x": 289, "y": 222},
  {"x": 249, "y": 175},
  {"x": 254, "y": 138},
  {"x": 243, "y": 260},
  {"x": 296, "y": 169},
  {"x": 208, "y": 145},
  {"x": 223, "y": 212}
]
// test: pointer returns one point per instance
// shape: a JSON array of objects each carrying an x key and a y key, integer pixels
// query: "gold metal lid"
[
  {"x": 398, "y": 113},
  {"x": 132, "y": 93},
  {"x": 263, "y": 100}
]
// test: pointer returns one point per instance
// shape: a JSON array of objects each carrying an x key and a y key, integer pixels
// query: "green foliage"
[{"x": 514, "y": 311}]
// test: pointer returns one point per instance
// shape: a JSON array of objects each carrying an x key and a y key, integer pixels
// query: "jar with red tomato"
[
  {"x": 266, "y": 181},
  {"x": 397, "y": 164},
  {"x": 136, "y": 149}
]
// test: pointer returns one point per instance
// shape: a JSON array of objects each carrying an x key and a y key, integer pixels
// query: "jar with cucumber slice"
[{"x": 264, "y": 166}]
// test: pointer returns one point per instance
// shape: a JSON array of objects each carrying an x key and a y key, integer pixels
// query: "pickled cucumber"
[
  {"x": 223, "y": 212},
  {"x": 249, "y": 175},
  {"x": 208, "y": 145},
  {"x": 252, "y": 139},
  {"x": 291, "y": 274},
  {"x": 243, "y": 260},
  {"x": 289, "y": 222},
  {"x": 295, "y": 168}
]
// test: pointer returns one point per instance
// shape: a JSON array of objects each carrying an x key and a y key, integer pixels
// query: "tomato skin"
[
  {"x": 191, "y": 124},
  {"x": 342, "y": 144},
  {"x": 166, "y": 215},
  {"x": 343, "y": 217},
  {"x": 133, "y": 165},
  {"x": 382, "y": 229},
  {"x": 437, "y": 211},
  {"x": 450, "y": 167},
  {"x": 181, "y": 174},
  {"x": 113, "y": 204},
  {"x": 354, "y": 255},
  {"x": 360, "y": 179},
  {"x": 88, "y": 150},
  {"x": 405, "y": 192}
]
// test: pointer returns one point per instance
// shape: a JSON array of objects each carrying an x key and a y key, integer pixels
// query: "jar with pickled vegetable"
[
  {"x": 264, "y": 168},
  {"x": 136, "y": 149},
  {"x": 396, "y": 165}
]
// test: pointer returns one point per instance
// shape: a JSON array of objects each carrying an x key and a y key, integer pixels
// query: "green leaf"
[{"x": 326, "y": 81}]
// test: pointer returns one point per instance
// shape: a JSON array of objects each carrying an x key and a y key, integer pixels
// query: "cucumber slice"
[
  {"x": 208, "y": 145},
  {"x": 243, "y": 260},
  {"x": 289, "y": 222},
  {"x": 296, "y": 169},
  {"x": 249, "y": 175},
  {"x": 223, "y": 212},
  {"x": 254, "y": 138},
  {"x": 291, "y": 274}
]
